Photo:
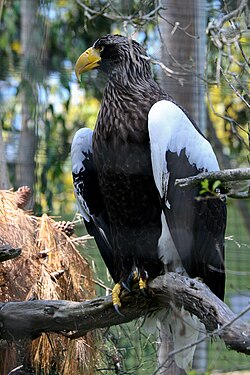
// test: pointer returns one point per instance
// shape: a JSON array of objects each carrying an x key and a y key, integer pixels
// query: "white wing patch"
[
  {"x": 81, "y": 146},
  {"x": 82, "y": 142},
  {"x": 171, "y": 130}
]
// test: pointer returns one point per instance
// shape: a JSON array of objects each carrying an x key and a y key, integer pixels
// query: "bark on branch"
[
  {"x": 8, "y": 252},
  {"x": 74, "y": 319},
  {"x": 226, "y": 176}
]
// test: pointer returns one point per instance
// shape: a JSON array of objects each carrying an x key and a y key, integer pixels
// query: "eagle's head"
[{"x": 117, "y": 56}]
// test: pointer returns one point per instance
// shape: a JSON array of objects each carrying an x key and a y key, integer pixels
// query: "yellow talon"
[
  {"x": 116, "y": 295},
  {"x": 142, "y": 283}
]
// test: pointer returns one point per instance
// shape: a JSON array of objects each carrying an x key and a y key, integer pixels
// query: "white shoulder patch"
[
  {"x": 82, "y": 142},
  {"x": 81, "y": 145},
  {"x": 171, "y": 130}
]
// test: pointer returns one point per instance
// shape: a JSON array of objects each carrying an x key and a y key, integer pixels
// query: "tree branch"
[
  {"x": 74, "y": 319},
  {"x": 8, "y": 252},
  {"x": 218, "y": 23},
  {"x": 225, "y": 176},
  {"x": 135, "y": 19}
]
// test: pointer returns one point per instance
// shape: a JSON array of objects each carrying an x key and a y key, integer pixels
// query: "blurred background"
[{"x": 200, "y": 54}]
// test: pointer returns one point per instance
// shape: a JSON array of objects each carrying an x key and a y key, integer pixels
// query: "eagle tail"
[{"x": 180, "y": 327}]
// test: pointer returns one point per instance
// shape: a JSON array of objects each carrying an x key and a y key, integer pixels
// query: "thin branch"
[
  {"x": 169, "y": 72},
  {"x": 226, "y": 175},
  {"x": 231, "y": 121},
  {"x": 74, "y": 319},
  {"x": 234, "y": 89},
  {"x": 211, "y": 334},
  {"x": 202, "y": 339},
  {"x": 217, "y": 25},
  {"x": 176, "y": 26},
  {"x": 132, "y": 19},
  {"x": 101, "y": 284}
]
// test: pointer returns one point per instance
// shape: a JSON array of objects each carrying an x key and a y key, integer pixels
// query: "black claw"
[
  {"x": 128, "y": 283},
  {"x": 126, "y": 286},
  {"x": 116, "y": 307}
]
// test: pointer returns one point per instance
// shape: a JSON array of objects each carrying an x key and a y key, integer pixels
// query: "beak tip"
[{"x": 78, "y": 76}]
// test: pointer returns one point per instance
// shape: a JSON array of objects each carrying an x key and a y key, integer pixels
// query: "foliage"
[
  {"x": 64, "y": 38},
  {"x": 205, "y": 188},
  {"x": 228, "y": 78}
]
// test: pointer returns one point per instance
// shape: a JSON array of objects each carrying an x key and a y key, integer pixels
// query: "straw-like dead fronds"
[
  {"x": 65, "y": 226},
  {"x": 23, "y": 196},
  {"x": 49, "y": 267}
]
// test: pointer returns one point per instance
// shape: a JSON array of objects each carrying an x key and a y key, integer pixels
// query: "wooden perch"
[
  {"x": 226, "y": 176},
  {"x": 74, "y": 319},
  {"x": 8, "y": 252}
]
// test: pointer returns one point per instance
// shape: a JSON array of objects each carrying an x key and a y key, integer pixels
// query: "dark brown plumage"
[
  {"x": 130, "y": 220},
  {"x": 122, "y": 156}
]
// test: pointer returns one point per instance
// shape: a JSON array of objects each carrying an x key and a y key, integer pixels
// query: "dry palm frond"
[
  {"x": 49, "y": 267},
  {"x": 65, "y": 226},
  {"x": 23, "y": 196}
]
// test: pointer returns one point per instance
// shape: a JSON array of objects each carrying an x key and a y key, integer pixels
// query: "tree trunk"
[
  {"x": 183, "y": 31},
  {"x": 4, "y": 176},
  {"x": 25, "y": 169},
  {"x": 183, "y": 50}
]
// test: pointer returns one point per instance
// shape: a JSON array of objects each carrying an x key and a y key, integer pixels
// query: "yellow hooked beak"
[{"x": 87, "y": 61}]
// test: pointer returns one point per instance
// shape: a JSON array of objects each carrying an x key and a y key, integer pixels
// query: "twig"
[
  {"x": 169, "y": 72},
  {"x": 13, "y": 371},
  {"x": 101, "y": 283},
  {"x": 176, "y": 26},
  {"x": 134, "y": 19},
  {"x": 217, "y": 24},
  {"x": 234, "y": 89},
  {"x": 82, "y": 239},
  {"x": 216, "y": 332}
]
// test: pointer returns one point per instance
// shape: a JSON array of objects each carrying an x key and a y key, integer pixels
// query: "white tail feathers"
[{"x": 182, "y": 329}]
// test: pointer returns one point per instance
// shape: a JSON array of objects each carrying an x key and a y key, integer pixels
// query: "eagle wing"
[
  {"x": 88, "y": 195},
  {"x": 196, "y": 226}
]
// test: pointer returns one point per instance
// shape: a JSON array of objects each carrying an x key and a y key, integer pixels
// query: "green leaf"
[
  {"x": 216, "y": 184},
  {"x": 203, "y": 191},
  {"x": 205, "y": 184}
]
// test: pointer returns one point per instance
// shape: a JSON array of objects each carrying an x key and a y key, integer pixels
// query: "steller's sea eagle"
[{"x": 124, "y": 176}]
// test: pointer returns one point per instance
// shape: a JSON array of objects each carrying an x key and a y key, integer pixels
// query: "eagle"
[{"x": 124, "y": 175}]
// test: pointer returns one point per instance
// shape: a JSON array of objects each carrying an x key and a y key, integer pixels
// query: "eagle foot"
[
  {"x": 116, "y": 292},
  {"x": 116, "y": 298},
  {"x": 143, "y": 285}
]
